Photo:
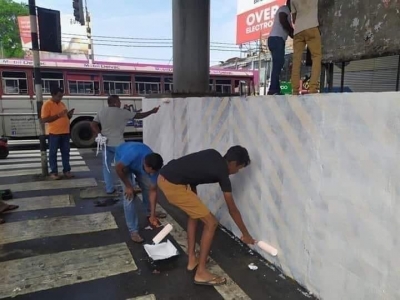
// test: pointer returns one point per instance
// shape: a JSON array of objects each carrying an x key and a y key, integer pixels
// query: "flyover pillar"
[{"x": 191, "y": 46}]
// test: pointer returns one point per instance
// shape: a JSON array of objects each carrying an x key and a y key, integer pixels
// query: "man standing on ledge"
[
  {"x": 281, "y": 29},
  {"x": 306, "y": 32},
  {"x": 178, "y": 181},
  {"x": 55, "y": 113},
  {"x": 139, "y": 160},
  {"x": 113, "y": 120}
]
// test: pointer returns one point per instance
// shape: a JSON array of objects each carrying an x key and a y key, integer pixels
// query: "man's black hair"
[
  {"x": 112, "y": 98},
  {"x": 55, "y": 90},
  {"x": 288, "y": 3},
  {"x": 238, "y": 154},
  {"x": 154, "y": 161}
]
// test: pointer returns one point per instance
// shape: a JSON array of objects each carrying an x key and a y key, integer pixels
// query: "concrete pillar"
[{"x": 191, "y": 42}]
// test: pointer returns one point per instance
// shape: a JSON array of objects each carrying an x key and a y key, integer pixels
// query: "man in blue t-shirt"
[{"x": 139, "y": 160}]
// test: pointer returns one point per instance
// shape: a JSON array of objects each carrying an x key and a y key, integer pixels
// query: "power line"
[{"x": 139, "y": 39}]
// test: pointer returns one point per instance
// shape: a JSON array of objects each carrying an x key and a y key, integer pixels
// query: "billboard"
[
  {"x": 255, "y": 18},
  {"x": 74, "y": 39}
]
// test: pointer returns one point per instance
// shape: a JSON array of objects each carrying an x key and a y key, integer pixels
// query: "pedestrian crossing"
[
  {"x": 27, "y": 162},
  {"x": 67, "y": 267},
  {"x": 48, "y": 271}
]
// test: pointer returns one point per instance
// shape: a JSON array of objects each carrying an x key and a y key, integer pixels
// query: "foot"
[
  {"x": 136, "y": 237},
  {"x": 112, "y": 192},
  {"x": 2, "y": 221},
  {"x": 54, "y": 177},
  {"x": 194, "y": 262},
  {"x": 68, "y": 175},
  {"x": 207, "y": 278}
]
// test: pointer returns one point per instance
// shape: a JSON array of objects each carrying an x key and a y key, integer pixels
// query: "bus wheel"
[{"x": 82, "y": 135}]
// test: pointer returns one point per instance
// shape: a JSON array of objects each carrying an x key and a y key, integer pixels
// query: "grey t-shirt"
[
  {"x": 113, "y": 121},
  {"x": 277, "y": 28}
]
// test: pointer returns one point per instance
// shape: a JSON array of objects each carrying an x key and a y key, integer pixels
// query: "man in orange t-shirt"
[{"x": 55, "y": 113}]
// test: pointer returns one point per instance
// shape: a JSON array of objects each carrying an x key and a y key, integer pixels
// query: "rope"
[{"x": 102, "y": 141}]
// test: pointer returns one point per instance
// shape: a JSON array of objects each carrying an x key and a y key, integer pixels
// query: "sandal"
[
  {"x": 136, "y": 238},
  {"x": 216, "y": 281}
]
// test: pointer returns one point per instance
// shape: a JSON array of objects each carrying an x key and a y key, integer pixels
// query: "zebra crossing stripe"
[
  {"x": 36, "y": 165},
  {"x": 12, "y": 173},
  {"x": 146, "y": 297},
  {"x": 50, "y": 185},
  {"x": 22, "y": 155},
  {"x": 35, "y": 229},
  {"x": 32, "y": 159},
  {"x": 38, "y": 151},
  {"x": 228, "y": 291},
  {"x": 44, "y": 272},
  {"x": 43, "y": 202}
]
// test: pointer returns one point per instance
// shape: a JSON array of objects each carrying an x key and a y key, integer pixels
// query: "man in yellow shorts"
[{"x": 178, "y": 181}]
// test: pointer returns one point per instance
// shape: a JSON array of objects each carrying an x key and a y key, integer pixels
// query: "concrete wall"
[
  {"x": 323, "y": 186},
  {"x": 355, "y": 29}
]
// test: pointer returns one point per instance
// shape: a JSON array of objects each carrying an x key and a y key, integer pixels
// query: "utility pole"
[
  {"x": 38, "y": 85},
  {"x": 89, "y": 35},
  {"x": 259, "y": 65}
]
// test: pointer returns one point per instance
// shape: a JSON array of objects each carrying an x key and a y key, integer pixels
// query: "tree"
[{"x": 10, "y": 41}]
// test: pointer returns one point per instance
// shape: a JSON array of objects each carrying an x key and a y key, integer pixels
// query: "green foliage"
[{"x": 10, "y": 41}]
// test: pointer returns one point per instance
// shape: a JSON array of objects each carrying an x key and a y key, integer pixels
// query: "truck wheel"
[{"x": 82, "y": 135}]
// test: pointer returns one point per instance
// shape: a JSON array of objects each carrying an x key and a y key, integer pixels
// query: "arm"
[
  {"x": 153, "y": 200},
  {"x": 235, "y": 214},
  {"x": 122, "y": 172},
  {"x": 46, "y": 115},
  {"x": 95, "y": 127},
  {"x": 283, "y": 19},
  {"x": 142, "y": 115}
]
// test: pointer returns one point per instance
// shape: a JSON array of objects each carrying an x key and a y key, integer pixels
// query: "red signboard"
[{"x": 256, "y": 23}]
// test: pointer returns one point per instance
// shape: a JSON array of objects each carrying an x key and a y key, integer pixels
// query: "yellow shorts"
[{"x": 182, "y": 196}]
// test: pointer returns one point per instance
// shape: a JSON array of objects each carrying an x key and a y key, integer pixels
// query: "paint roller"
[
  {"x": 267, "y": 248},
  {"x": 162, "y": 234}
]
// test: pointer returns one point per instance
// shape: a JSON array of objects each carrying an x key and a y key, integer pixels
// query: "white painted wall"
[{"x": 323, "y": 186}]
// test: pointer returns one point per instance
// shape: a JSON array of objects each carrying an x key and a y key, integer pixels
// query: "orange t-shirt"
[{"x": 59, "y": 126}]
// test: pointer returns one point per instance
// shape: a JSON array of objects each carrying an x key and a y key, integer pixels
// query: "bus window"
[
  {"x": 223, "y": 86},
  {"x": 147, "y": 85},
  {"x": 83, "y": 84},
  {"x": 168, "y": 84},
  {"x": 14, "y": 83},
  {"x": 50, "y": 80},
  {"x": 117, "y": 84}
]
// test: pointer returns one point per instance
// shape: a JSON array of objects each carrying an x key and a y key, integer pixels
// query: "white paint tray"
[{"x": 161, "y": 251}]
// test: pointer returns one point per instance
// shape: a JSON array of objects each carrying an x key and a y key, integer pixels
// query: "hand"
[
  {"x": 129, "y": 193},
  {"x": 63, "y": 113},
  {"x": 247, "y": 239},
  {"x": 154, "y": 222},
  {"x": 155, "y": 109}
]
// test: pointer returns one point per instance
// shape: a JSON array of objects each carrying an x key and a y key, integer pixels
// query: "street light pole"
[{"x": 38, "y": 84}]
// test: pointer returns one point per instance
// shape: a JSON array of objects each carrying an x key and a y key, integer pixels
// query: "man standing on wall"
[
  {"x": 281, "y": 29},
  {"x": 139, "y": 160},
  {"x": 113, "y": 120},
  {"x": 178, "y": 181},
  {"x": 55, "y": 113},
  {"x": 306, "y": 32}
]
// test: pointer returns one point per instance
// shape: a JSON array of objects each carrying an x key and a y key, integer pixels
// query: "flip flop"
[
  {"x": 11, "y": 207},
  {"x": 195, "y": 267},
  {"x": 212, "y": 282},
  {"x": 161, "y": 215}
]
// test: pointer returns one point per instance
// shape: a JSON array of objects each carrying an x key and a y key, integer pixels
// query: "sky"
[{"x": 149, "y": 19}]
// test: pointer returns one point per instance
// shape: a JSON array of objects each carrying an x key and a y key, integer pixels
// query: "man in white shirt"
[
  {"x": 281, "y": 29},
  {"x": 113, "y": 120},
  {"x": 306, "y": 32}
]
